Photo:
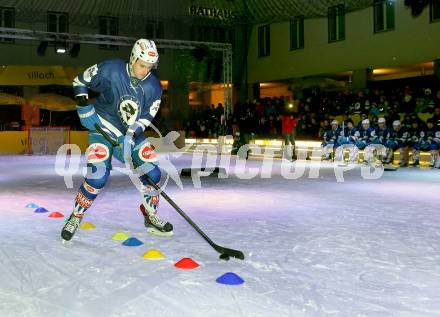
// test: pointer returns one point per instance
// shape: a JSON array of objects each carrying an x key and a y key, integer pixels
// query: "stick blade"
[{"x": 230, "y": 252}]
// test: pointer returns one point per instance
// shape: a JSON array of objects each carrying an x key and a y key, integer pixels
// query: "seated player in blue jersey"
[
  {"x": 350, "y": 135},
  {"x": 400, "y": 139},
  {"x": 382, "y": 137},
  {"x": 416, "y": 133},
  {"x": 129, "y": 98},
  {"x": 330, "y": 141},
  {"x": 366, "y": 136},
  {"x": 429, "y": 140}
]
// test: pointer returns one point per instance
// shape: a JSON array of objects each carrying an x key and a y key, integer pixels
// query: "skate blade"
[{"x": 158, "y": 233}]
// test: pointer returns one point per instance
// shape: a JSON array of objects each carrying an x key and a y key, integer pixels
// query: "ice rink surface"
[{"x": 313, "y": 246}]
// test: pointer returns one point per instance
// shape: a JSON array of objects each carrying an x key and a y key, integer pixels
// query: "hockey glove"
[
  {"x": 88, "y": 116},
  {"x": 86, "y": 113},
  {"x": 133, "y": 131}
]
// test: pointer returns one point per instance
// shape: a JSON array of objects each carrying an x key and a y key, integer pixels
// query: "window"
[
  {"x": 384, "y": 11},
  {"x": 155, "y": 30},
  {"x": 336, "y": 23},
  {"x": 434, "y": 10},
  {"x": 297, "y": 33},
  {"x": 264, "y": 40},
  {"x": 57, "y": 22},
  {"x": 7, "y": 20},
  {"x": 108, "y": 26},
  {"x": 212, "y": 34}
]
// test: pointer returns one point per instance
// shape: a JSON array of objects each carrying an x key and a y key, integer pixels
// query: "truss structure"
[{"x": 97, "y": 39}]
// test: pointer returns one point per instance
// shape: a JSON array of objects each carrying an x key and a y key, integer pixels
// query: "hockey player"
[
  {"x": 350, "y": 135},
  {"x": 416, "y": 133},
  {"x": 382, "y": 137},
  {"x": 366, "y": 135},
  {"x": 129, "y": 98},
  {"x": 430, "y": 141},
  {"x": 331, "y": 140},
  {"x": 400, "y": 140}
]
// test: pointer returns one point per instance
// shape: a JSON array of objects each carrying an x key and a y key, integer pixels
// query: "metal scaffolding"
[{"x": 98, "y": 39}]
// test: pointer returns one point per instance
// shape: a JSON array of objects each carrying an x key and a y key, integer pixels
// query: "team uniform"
[
  {"x": 349, "y": 137},
  {"x": 366, "y": 135},
  {"x": 415, "y": 134},
  {"x": 331, "y": 140},
  {"x": 382, "y": 136},
  {"x": 400, "y": 139},
  {"x": 125, "y": 107},
  {"x": 429, "y": 140}
]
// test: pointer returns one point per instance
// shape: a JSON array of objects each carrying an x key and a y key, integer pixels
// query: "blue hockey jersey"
[
  {"x": 123, "y": 99},
  {"x": 367, "y": 135},
  {"x": 383, "y": 134},
  {"x": 332, "y": 135}
]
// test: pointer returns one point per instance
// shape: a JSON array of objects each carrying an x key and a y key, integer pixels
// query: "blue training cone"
[
  {"x": 230, "y": 279},
  {"x": 132, "y": 242},
  {"x": 31, "y": 205},
  {"x": 41, "y": 210}
]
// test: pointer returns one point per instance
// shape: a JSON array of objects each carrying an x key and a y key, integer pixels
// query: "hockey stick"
[{"x": 225, "y": 253}]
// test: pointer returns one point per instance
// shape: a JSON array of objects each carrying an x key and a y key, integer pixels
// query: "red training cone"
[
  {"x": 187, "y": 264},
  {"x": 56, "y": 214}
]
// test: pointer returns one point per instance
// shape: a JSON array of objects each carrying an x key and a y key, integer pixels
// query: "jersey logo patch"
[
  {"x": 146, "y": 153},
  {"x": 97, "y": 152},
  {"x": 90, "y": 72},
  {"x": 128, "y": 110},
  {"x": 154, "y": 108}
]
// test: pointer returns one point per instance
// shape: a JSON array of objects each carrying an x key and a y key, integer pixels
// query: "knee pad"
[
  {"x": 144, "y": 153},
  {"x": 99, "y": 154},
  {"x": 96, "y": 176}
]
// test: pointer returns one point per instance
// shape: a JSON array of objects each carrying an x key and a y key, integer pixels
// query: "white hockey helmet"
[
  {"x": 381, "y": 120},
  {"x": 335, "y": 122},
  {"x": 365, "y": 121},
  {"x": 396, "y": 123},
  {"x": 146, "y": 51}
]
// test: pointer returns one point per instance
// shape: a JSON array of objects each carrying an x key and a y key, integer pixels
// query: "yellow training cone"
[
  {"x": 87, "y": 225},
  {"x": 120, "y": 236},
  {"x": 154, "y": 255}
]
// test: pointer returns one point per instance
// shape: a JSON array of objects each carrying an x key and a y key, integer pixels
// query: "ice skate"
[
  {"x": 71, "y": 226},
  {"x": 155, "y": 225}
]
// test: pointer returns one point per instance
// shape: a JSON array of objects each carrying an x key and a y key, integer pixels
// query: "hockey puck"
[{"x": 224, "y": 256}]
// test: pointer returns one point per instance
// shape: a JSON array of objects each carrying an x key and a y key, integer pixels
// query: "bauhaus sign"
[{"x": 214, "y": 13}]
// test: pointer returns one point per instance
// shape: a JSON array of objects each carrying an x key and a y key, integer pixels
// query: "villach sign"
[
  {"x": 38, "y": 75},
  {"x": 213, "y": 13}
]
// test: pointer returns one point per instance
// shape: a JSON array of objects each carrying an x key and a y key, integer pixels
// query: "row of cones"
[
  {"x": 40, "y": 210},
  {"x": 153, "y": 254},
  {"x": 56, "y": 214},
  {"x": 228, "y": 278}
]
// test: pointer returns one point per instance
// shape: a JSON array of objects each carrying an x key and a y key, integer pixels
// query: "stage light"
[{"x": 60, "y": 48}]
